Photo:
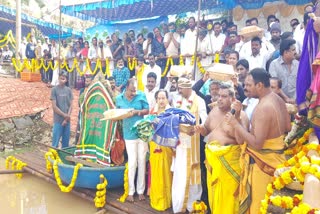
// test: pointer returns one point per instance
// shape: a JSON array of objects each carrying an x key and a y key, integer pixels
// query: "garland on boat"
[
  {"x": 55, "y": 156},
  {"x": 100, "y": 199},
  {"x": 300, "y": 166},
  {"x": 16, "y": 164},
  {"x": 125, "y": 185}
]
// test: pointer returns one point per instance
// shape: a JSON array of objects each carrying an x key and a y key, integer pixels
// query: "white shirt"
[
  {"x": 92, "y": 52},
  {"x": 157, "y": 70},
  {"x": 144, "y": 46},
  {"x": 250, "y": 104},
  {"x": 298, "y": 35},
  {"x": 172, "y": 50},
  {"x": 261, "y": 59},
  {"x": 188, "y": 43},
  {"x": 204, "y": 47},
  {"x": 215, "y": 42},
  {"x": 150, "y": 97}
]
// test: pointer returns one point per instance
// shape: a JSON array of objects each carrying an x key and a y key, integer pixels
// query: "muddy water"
[{"x": 31, "y": 195}]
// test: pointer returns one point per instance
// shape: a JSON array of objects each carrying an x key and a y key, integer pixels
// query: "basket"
[
  {"x": 220, "y": 71},
  {"x": 117, "y": 114},
  {"x": 30, "y": 77},
  {"x": 250, "y": 31},
  {"x": 185, "y": 128},
  {"x": 180, "y": 70}
]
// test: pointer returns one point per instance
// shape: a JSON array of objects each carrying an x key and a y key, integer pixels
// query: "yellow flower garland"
[
  {"x": 100, "y": 199},
  {"x": 125, "y": 185},
  {"x": 304, "y": 208},
  {"x": 16, "y": 164},
  {"x": 300, "y": 142},
  {"x": 169, "y": 63},
  {"x": 300, "y": 166},
  {"x": 54, "y": 155},
  {"x": 199, "y": 207},
  {"x": 201, "y": 69},
  {"x": 8, "y": 38},
  {"x": 181, "y": 60},
  {"x": 132, "y": 63}
]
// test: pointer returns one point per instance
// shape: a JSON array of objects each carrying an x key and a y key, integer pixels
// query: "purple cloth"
[{"x": 304, "y": 76}]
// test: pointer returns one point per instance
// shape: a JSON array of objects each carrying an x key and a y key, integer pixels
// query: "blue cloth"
[
  {"x": 139, "y": 102},
  {"x": 167, "y": 126},
  {"x": 121, "y": 76},
  {"x": 59, "y": 131}
]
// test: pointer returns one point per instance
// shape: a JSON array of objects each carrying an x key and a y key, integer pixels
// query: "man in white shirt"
[
  {"x": 147, "y": 44},
  {"x": 257, "y": 57},
  {"x": 172, "y": 41},
  {"x": 188, "y": 43},
  {"x": 93, "y": 54},
  {"x": 299, "y": 33},
  {"x": 216, "y": 38},
  {"x": 151, "y": 89},
  {"x": 152, "y": 67}
]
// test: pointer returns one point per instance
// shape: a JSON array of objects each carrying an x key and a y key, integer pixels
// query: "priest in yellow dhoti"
[
  {"x": 186, "y": 183},
  {"x": 223, "y": 154},
  {"x": 160, "y": 162},
  {"x": 264, "y": 146}
]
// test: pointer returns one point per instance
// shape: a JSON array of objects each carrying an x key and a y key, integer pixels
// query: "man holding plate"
[{"x": 131, "y": 98}]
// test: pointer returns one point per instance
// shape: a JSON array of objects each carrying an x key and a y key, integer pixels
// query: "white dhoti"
[
  {"x": 186, "y": 182},
  {"x": 137, "y": 151}
]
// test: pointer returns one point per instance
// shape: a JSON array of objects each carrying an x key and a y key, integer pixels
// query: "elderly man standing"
[
  {"x": 131, "y": 98},
  {"x": 286, "y": 67},
  {"x": 186, "y": 183}
]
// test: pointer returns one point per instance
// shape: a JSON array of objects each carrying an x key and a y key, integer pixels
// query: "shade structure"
[
  {"x": 46, "y": 28},
  {"x": 118, "y": 10}
]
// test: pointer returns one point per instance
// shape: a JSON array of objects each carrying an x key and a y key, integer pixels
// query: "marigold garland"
[
  {"x": 169, "y": 63},
  {"x": 16, "y": 164},
  {"x": 300, "y": 142},
  {"x": 132, "y": 63},
  {"x": 55, "y": 156},
  {"x": 300, "y": 166},
  {"x": 125, "y": 185},
  {"x": 181, "y": 62},
  {"x": 199, "y": 207},
  {"x": 100, "y": 199}
]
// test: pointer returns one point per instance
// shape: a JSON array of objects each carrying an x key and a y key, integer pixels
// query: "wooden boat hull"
[{"x": 88, "y": 177}]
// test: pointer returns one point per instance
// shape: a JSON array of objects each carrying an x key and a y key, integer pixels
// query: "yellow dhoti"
[
  {"x": 257, "y": 173},
  {"x": 223, "y": 176},
  {"x": 161, "y": 176}
]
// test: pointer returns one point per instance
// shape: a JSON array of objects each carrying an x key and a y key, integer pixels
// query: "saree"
[
  {"x": 257, "y": 169},
  {"x": 223, "y": 176},
  {"x": 160, "y": 175}
]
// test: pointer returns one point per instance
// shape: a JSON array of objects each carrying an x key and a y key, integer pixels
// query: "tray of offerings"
[
  {"x": 221, "y": 72},
  {"x": 117, "y": 114}
]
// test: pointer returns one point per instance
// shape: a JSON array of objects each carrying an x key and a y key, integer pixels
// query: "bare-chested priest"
[
  {"x": 223, "y": 153},
  {"x": 264, "y": 143}
]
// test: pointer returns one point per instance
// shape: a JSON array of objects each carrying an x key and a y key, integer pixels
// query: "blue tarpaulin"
[
  {"x": 107, "y": 29},
  {"x": 117, "y": 10}
]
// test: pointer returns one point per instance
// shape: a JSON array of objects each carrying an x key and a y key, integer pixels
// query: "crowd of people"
[{"x": 230, "y": 156}]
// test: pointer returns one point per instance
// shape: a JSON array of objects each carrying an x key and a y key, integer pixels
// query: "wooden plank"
[{"x": 84, "y": 162}]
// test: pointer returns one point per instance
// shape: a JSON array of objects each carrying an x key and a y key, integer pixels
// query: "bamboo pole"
[
  {"x": 60, "y": 150},
  {"x": 18, "y": 30},
  {"x": 197, "y": 38},
  {"x": 4, "y": 172}
]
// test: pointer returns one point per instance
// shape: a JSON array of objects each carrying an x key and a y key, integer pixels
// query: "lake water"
[{"x": 32, "y": 195}]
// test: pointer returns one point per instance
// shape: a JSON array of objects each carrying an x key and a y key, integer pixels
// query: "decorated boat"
[
  {"x": 99, "y": 150},
  {"x": 88, "y": 177}
]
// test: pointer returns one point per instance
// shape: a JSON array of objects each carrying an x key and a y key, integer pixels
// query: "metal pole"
[
  {"x": 18, "y": 30},
  {"x": 60, "y": 29},
  {"x": 197, "y": 38}
]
